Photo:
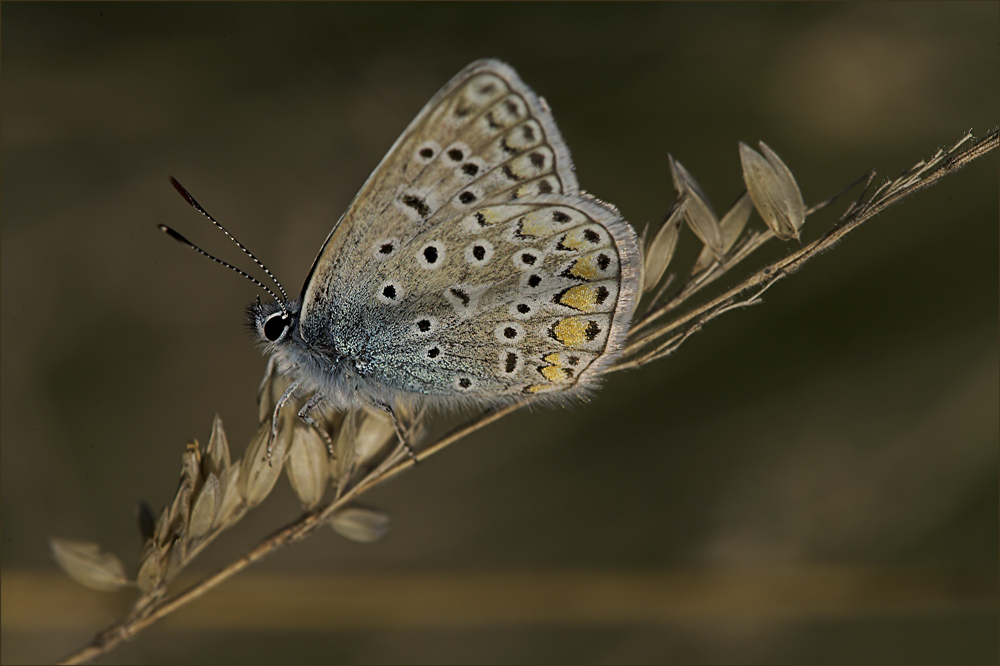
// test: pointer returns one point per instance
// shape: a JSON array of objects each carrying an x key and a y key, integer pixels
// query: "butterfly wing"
[{"x": 470, "y": 265}]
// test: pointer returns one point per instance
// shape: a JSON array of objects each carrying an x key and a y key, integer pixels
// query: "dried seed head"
[
  {"x": 204, "y": 510},
  {"x": 684, "y": 182},
  {"x": 703, "y": 223},
  {"x": 363, "y": 435},
  {"x": 774, "y": 191},
  {"x": 85, "y": 563},
  {"x": 697, "y": 210},
  {"x": 173, "y": 521},
  {"x": 661, "y": 249},
  {"x": 177, "y": 557},
  {"x": 152, "y": 569},
  {"x": 217, "y": 455},
  {"x": 731, "y": 225},
  {"x": 191, "y": 465},
  {"x": 260, "y": 472},
  {"x": 361, "y": 524},
  {"x": 342, "y": 462},
  {"x": 735, "y": 220},
  {"x": 308, "y": 465},
  {"x": 232, "y": 497},
  {"x": 164, "y": 527},
  {"x": 374, "y": 432}
]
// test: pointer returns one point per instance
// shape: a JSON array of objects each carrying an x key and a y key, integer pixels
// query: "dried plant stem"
[
  {"x": 699, "y": 282},
  {"x": 645, "y": 344},
  {"x": 749, "y": 291},
  {"x": 148, "y": 611}
]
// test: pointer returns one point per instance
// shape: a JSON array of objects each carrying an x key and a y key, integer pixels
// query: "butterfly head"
[{"x": 273, "y": 322}]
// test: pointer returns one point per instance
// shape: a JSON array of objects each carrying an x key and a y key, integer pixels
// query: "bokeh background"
[{"x": 811, "y": 480}]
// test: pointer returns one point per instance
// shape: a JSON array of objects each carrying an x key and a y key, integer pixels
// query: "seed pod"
[
  {"x": 697, "y": 211},
  {"x": 774, "y": 191},
  {"x": 375, "y": 430},
  {"x": 361, "y": 524},
  {"x": 308, "y": 465},
  {"x": 85, "y": 563},
  {"x": 204, "y": 509},
  {"x": 217, "y": 454},
  {"x": 661, "y": 249},
  {"x": 232, "y": 497},
  {"x": 731, "y": 225},
  {"x": 152, "y": 569},
  {"x": 260, "y": 472}
]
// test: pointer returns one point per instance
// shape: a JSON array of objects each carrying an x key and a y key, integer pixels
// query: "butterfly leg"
[
  {"x": 399, "y": 431},
  {"x": 306, "y": 415},
  {"x": 289, "y": 392}
]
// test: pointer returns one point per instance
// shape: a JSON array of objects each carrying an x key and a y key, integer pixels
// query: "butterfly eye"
[{"x": 275, "y": 326}]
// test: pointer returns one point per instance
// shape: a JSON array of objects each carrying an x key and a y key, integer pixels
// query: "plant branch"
[
  {"x": 644, "y": 345},
  {"x": 920, "y": 177}
]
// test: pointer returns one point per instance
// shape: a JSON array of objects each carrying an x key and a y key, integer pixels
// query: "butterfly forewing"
[
  {"x": 420, "y": 174},
  {"x": 470, "y": 265}
]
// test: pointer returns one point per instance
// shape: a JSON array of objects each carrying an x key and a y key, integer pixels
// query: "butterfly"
[{"x": 469, "y": 270}]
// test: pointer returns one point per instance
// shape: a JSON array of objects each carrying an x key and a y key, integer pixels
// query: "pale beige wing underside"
[{"x": 438, "y": 234}]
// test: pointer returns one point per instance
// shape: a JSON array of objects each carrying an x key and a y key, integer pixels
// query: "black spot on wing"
[{"x": 417, "y": 204}]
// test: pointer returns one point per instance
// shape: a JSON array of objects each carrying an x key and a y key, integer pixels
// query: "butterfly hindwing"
[{"x": 536, "y": 310}]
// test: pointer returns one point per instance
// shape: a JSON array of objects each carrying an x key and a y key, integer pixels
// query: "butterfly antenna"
[
  {"x": 197, "y": 206},
  {"x": 184, "y": 241}
]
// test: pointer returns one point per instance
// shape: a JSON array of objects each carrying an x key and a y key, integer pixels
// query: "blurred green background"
[{"x": 847, "y": 425}]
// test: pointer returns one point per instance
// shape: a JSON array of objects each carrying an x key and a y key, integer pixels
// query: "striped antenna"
[
  {"x": 184, "y": 241},
  {"x": 197, "y": 206}
]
